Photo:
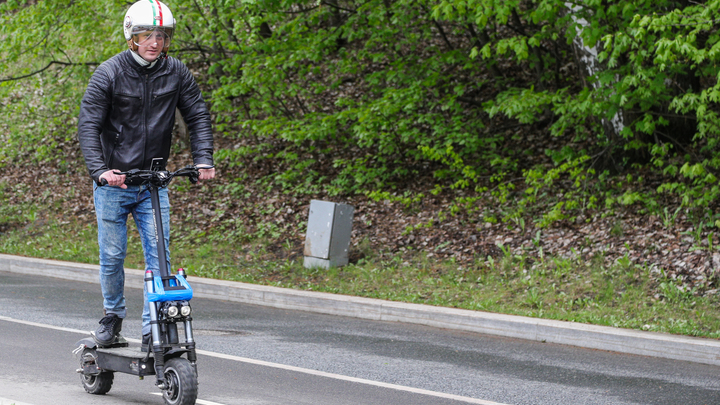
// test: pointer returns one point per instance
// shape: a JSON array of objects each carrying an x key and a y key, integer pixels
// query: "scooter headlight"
[
  {"x": 173, "y": 311},
  {"x": 185, "y": 310}
]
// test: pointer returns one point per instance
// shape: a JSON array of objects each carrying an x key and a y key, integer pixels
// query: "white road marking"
[
  {"x": 5, "y": 401},
  {"x": 284, "y": 367},
  {"x": 350, "y": 379},
  {"x": 197, "y": 401},
  {"x": 42, "y": 325}
]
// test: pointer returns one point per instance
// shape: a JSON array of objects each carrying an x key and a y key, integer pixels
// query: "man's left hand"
[{"x": 206, "y": 172}]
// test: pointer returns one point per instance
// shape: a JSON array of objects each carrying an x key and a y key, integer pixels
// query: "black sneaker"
[
  {"x": 108, "y": 331},
  {"x": 146, "y": 343}
]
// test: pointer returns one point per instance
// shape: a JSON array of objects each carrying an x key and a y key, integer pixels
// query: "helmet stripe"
[
  {"x": 155, "y": 13},
  {"x": 160, "y": 12}
]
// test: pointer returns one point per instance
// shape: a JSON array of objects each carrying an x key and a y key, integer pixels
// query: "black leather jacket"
[{"x": 128, "y": 112}]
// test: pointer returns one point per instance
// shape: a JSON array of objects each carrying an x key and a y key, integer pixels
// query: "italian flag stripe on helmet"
[{"x": 155, "y": 14}]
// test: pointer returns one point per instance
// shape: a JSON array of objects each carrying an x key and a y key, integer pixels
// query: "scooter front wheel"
[
  {"x": 98, "y": 384},
  {"x": 181, "y": 381}
]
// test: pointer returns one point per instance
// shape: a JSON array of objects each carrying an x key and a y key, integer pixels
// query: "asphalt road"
[{"x": 259, "y": 355}]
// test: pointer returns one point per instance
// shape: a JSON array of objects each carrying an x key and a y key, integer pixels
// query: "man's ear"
[{"x": 131, "y": 45}]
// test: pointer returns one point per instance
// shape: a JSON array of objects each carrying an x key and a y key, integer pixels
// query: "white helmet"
[{"x": 145, "y": 17}]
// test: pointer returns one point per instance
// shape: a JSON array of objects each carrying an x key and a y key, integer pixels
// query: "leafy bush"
[{"x": 542, "y": 104}]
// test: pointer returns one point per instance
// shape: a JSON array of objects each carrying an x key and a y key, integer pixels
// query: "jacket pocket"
[
  {"x": 163, "y": 98},
  {"x": 126, "y": 105}
]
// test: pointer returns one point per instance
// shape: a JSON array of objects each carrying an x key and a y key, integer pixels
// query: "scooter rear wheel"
[
  {"x": 98, "y": 384},
  {"x": 181, "y": 381}
]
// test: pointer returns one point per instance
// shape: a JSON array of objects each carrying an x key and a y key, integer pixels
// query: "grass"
[{"x": 622, "y": 294}]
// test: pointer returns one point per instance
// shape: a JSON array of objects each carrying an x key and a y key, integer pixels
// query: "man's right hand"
[{"x": 117, "y": 180}]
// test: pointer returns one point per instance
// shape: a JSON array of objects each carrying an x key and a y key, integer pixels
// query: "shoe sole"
[{"x": 116, "y": 339}]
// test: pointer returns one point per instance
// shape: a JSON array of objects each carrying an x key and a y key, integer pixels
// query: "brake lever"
[{"x": 193, "y": 178}]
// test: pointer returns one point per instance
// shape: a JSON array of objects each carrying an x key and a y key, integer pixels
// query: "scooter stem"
[{"x": 159, "y": 234}]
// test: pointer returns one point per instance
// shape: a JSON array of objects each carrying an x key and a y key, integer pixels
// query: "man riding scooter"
[{"x": 126, "y": 119}]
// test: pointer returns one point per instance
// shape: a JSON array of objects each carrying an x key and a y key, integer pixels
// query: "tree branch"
[
  {"x": 55, "y": 62},
  {"x": 481, "y": 39},
  {"x": 335, "y": 6},
  {"x": 439, "y": 27}
]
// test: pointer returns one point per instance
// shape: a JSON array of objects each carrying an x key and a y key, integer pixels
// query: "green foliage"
[
  {"x": 45, "y": 56},
  {"x": 366, "y": 78},
  {"x": 414, "y": 89},
  {"x": 479, "y": 97}
]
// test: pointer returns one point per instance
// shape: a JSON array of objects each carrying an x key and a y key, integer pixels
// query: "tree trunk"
[{"x": 587, "y": 58}]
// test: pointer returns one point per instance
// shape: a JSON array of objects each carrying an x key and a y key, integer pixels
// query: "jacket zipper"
[
  {"x": 146, "y": 108},
  {"x": 115, "y": 145}
]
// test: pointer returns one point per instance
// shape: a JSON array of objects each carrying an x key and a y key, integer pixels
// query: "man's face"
[{"x": 150, "y": 44}]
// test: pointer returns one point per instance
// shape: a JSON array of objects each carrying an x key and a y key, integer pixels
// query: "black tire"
[
  {"x": 95, "y": 384},
  {"x": 181, "y": 381}
]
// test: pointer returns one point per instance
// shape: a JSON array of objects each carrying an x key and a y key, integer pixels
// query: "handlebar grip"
[{"x": 103, "y": 182}]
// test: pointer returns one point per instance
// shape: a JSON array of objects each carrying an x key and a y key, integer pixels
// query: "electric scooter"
[{"x": 169, "y": 297}]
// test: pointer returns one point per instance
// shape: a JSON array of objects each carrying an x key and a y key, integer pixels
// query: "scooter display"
[{"x": 172, "y": 360}]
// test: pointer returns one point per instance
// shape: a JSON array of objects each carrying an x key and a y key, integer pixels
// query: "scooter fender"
[
  {"x": 86, "y": 343},
  {"x": 89, "y": 368}
]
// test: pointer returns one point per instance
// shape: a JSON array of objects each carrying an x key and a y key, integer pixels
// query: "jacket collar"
[{"x": 130, "y": 60}]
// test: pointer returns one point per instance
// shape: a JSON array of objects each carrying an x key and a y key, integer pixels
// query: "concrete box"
[{"x": 327, "y": 240}]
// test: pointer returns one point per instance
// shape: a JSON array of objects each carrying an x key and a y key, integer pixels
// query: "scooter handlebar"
[
  {"x": 104, "y": 182},
  {"x": 164, "y": 177}
]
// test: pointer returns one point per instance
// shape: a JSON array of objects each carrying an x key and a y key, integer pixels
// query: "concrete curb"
[{"x": 652, "y": 344}]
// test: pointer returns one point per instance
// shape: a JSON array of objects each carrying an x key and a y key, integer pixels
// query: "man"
[{"x": 126, "y": 120}]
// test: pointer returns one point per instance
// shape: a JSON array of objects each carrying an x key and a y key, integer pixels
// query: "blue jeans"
[{"x": 112, "y": 206}]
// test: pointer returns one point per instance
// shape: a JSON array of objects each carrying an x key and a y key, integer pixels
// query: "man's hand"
[
  {"x": 206, "y": 172},
  {"x": 117, "y": 180}
]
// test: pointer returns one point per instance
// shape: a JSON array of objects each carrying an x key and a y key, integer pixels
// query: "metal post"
[{"x": 329, "y": 229}]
